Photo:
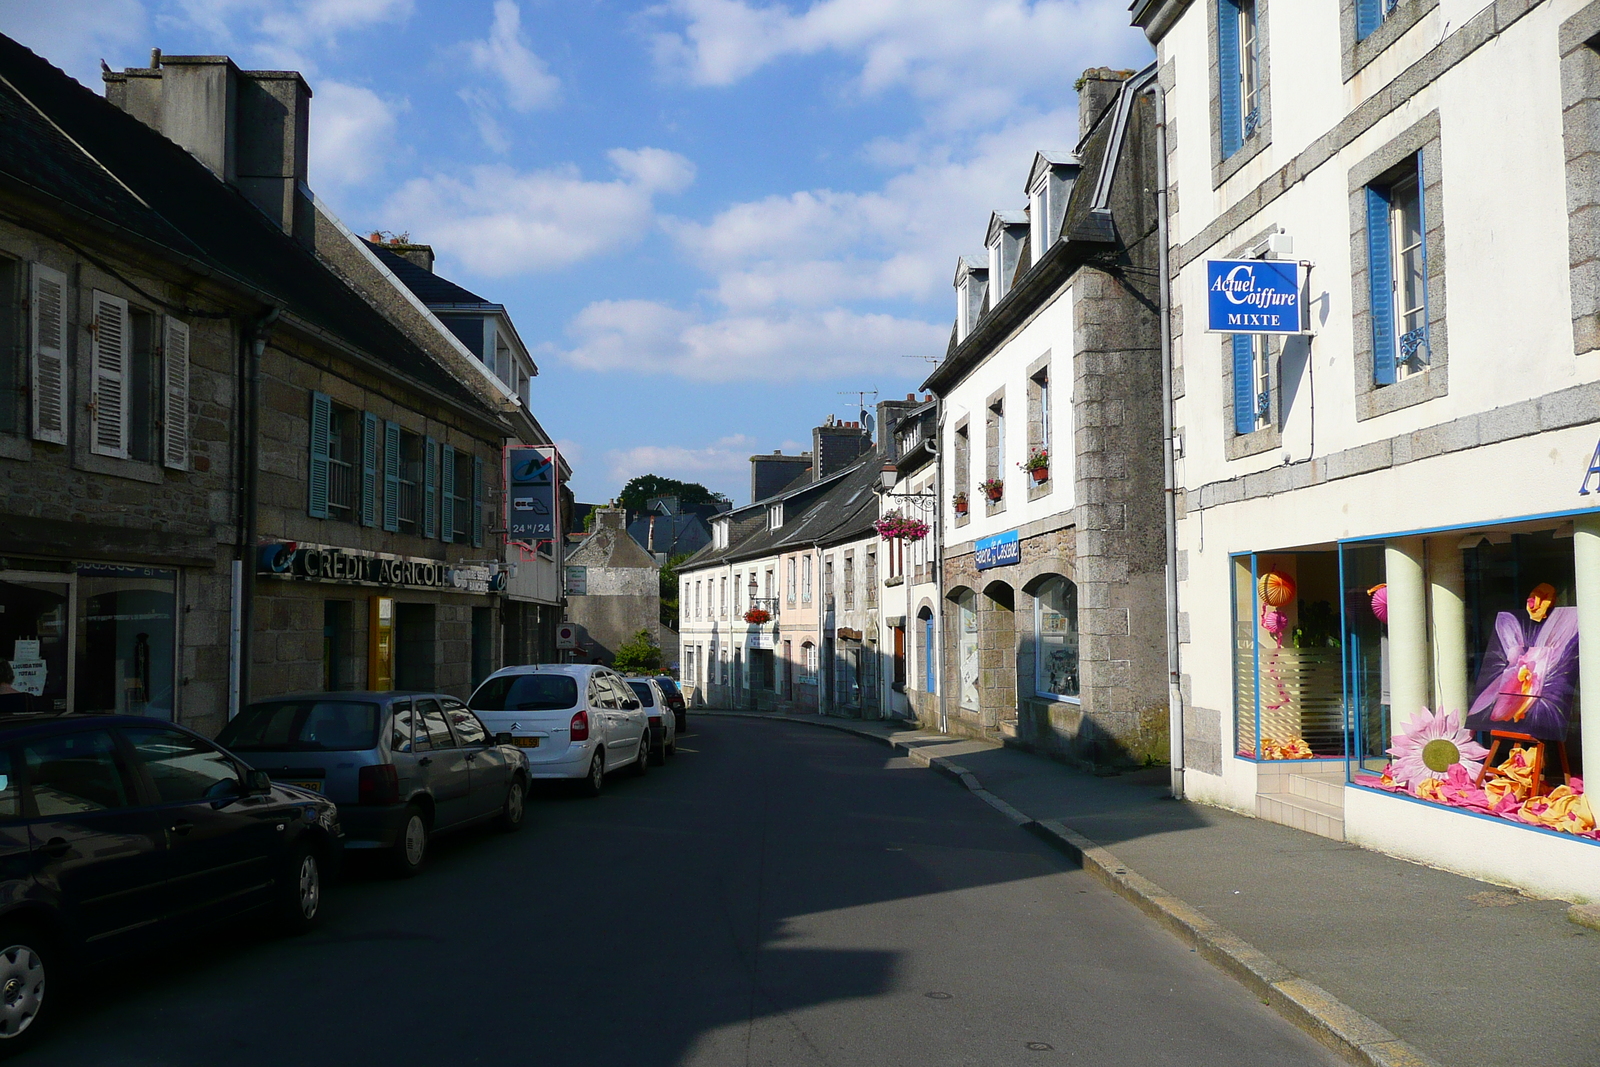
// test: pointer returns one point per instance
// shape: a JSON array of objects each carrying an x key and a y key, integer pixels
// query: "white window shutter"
[
  {"x": 109, "y": 377},
  {"x": 47, "y": 307},
  {"x": 175, "y": 404}
]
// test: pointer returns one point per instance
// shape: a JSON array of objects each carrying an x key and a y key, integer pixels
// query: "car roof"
[
  {"x": 573, "y": 670},
  {"x": 36, "y": 722},
  {"x": 368, "y": 695}
]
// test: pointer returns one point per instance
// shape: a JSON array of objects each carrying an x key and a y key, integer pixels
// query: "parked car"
[
  {"x": 663, "y": 724},
  {"x": 401, "y": 766},
  {"x": 118, "y": 833},
  {"x": 675, "y": 701},
  {"x": 574, "y": 721}
]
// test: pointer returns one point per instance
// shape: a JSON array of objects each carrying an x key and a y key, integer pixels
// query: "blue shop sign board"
[
  {"x": 1001, "y": 550},
  {"x": 1255, "y": 296}
]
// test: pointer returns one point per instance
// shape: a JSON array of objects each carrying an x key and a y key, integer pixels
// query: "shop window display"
[
  {"x": 967, "y": 650},
  {"x": 1288, "y": 655},
  {"x": 1055, "y": 627},
  {"x": 36, "y": 638},
  {"x": 1514, "y": 752},
  {"x": 126, "y": 635}
]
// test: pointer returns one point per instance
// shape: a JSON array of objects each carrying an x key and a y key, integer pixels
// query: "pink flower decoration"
[
  {"x": 1380, "y": 602},
  {"x": 1431, "y": 745},
  {"x": 1274, "y": 622}
]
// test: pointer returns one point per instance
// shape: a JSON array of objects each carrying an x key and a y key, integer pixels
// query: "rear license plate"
[
  {"x": 315, "y": 787},
  {"x": 526, "y": 742}
]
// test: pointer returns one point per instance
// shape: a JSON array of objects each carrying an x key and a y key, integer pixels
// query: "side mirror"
[
  {"x": 504, "y": 738},
  {"x": 257, "y": 783}
]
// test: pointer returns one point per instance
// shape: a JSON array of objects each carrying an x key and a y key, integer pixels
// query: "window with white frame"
[
  {"x": 1370, "y": 14},
  {"x": 1398, "y": 273},
  {"x": 1241, "y": 73},
  {"x": 791, "y": 573},
  {"x": 805, "y": 579},
  {"x": 1252, "y": 382}
]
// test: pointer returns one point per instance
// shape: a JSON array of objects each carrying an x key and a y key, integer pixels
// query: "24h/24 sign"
[{"x": 1255, "y": 296}]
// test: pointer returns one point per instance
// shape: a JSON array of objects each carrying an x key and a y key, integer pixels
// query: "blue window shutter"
[
  {"x": 317, "y": 477},
  {"x": 1369, "y": 16},
  {"x": 447, "y": 495},
  {"x": 1244, "y": 384},
  {"x": 430, "y": 488},
  {"x": 477, "y": 501},
  {"x": 928, "y": 684},
  {"x": 1380, "y": 280},
  {"x": 391, "y": 476},
  {"x": 1228, "y": 103},
  {"x": 369, "y": 469}
]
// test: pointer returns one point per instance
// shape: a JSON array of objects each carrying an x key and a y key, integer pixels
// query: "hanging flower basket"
[
  {"x": 895, "y": 525},
  {"x": 757, "y": 616},
  {"x": 994, "y": 488},
  {"x": 960, "y": 503}
]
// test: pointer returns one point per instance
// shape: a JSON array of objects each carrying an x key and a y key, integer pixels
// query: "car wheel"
[
  {"x": 411, "y": 847},
  {"x": 672, "y": 749},
  {"x": 641, "y": 763},
  {"x": 591, "y": 785},
  {"x": 683, "y": 722},
  {"x": 658, "y": 753},
  {"x": 24, "y": 958},
  {"x": 515, "y": 807},
  {"x": 301, "y": 896}
]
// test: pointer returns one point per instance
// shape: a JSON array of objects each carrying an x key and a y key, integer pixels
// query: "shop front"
[
  {"x": 336, "y": 618},
  {"x": 91, "y": 636},
  {"x": 1426, "y": 692}
]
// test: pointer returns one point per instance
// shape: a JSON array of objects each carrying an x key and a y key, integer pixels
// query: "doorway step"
[{"x": 1307, "y": 800}]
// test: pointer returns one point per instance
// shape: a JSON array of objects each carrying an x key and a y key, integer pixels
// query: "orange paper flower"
[{"x": 1539, "y": 601}]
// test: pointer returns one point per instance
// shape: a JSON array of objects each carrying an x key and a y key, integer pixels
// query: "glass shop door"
[{"x": 37, "y": 640}]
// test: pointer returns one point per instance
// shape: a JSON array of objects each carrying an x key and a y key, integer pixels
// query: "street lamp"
[{"x": 758, "y": 601}]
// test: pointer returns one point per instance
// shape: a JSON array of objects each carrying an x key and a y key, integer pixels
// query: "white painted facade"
[{"x": 1493, "y": 446}]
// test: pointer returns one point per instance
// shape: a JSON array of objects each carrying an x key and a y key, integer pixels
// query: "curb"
[{"x": 1305, "y": 1004}]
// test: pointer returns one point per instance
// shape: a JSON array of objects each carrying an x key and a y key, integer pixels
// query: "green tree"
[
  {"x": 639, "y": 654},
  {"x": 640, "y": 489},
  {"x": 669, "y": 589}
]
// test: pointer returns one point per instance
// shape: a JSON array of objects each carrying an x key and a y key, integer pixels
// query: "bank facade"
[{"x": 1388, "y": 553}]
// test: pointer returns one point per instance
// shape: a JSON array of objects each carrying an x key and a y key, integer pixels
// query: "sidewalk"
[{"x": 1449, "y": 969}]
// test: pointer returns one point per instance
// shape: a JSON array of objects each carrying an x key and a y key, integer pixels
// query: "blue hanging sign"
[
  {"x": 1255, "y": 296},
  {"x": 530, "y": 494},
  {"x": 1001, "y": 550}
]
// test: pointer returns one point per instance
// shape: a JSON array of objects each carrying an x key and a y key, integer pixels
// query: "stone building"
[
  {"x": 120, "y": 343},
  {"x": 614, "y": 590},
  {"x": 365, "y": 466},
  {"x": 1392, "y": 494},
  {"x": 1051, "y": 453}
]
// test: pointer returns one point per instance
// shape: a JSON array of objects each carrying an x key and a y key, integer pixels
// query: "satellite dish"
[{"x": 866, "y": 420}]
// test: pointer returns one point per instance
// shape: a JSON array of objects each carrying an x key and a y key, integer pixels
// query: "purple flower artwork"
[{"x": 1528, "y": 676}]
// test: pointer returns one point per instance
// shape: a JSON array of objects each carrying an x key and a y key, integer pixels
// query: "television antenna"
[{"x": 861, "y": 405}]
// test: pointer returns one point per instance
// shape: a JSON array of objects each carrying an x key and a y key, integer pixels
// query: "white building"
[{"x": 1430, "y": 440}]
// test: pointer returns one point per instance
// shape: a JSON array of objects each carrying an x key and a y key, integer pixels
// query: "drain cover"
[
  {"x": 937, "y": 995},
  {"x": 1040, "y": 1046}
]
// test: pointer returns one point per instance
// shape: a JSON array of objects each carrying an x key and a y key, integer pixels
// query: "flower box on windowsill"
[{"x": 1040, "y": 474}]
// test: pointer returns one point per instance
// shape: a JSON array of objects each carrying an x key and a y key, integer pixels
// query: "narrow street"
[{"x": 777, "y": 894}]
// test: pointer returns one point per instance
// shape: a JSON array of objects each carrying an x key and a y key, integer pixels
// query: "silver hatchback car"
[{"x": 400, "y": 766}]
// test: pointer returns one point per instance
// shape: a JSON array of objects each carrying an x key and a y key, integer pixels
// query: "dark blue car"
[{"x": 120, "y": 832}]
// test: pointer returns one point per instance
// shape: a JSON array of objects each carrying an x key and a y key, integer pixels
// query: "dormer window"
[
  {"x": 1006, "y": 232},
  {"x": 972, "y": 285},
  {"x": 775, "y": 516},
  {"x": 1049, "y": 185}
]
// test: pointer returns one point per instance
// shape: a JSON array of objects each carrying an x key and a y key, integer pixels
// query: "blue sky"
[{"x": 708, "y": 218}]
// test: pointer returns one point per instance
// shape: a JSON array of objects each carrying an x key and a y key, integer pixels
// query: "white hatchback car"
[{"x": 574, "y": 721}]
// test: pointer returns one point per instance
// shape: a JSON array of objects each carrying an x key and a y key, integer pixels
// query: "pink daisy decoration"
[{"x": 1431, "y": 744}]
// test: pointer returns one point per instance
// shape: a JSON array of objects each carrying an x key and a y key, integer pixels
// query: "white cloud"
[
  {"x": 729, "y": 455},
  {"x": 645, "y": 337},
  {"x": 975, "y": 58},
  {"x": 75, "y": 37},
  {"x": 506, "y": 55},
  {"x": 500, "y": 221},
  {"x": 352, "y": 133},
  {"x": 291, "y": 30}
]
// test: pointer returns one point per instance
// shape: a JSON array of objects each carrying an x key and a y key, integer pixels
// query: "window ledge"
[
  {"x": 17, "y": 446},
  {"x": 132, "y": 469},
  {"x": 1408, "y": 392},
  {"x": 1239, "y": 446}
]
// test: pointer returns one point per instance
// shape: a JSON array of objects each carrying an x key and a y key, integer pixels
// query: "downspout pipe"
[
  {"x": 935, "y": 446},
  {"x": 1168, "y": 459},
  {"x": 254, "y": 343}
]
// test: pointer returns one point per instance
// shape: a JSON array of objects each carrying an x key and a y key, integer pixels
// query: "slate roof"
[
  {"x": 87, "y": 158},
  {"x": 841, "y": 507},
  {"x": 429, "y": 287}
]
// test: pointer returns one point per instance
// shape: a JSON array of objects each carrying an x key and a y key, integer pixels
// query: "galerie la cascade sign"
[{"x": 1255, "y": 296}]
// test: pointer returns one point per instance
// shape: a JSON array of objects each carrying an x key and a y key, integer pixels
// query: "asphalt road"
[{"x": 778, "y": 894}]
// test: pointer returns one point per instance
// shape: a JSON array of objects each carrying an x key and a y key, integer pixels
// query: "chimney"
[
  {"x": 251, "y": 128},
  {"x": 650, "y": 536},
  {"x": 415, "y": 254},
  {"x": 771, "y": 475},
  {"x": 1096, "y": 89},
  {"x": 889, "y": 413},
  {"x": 836, "y": 446}
]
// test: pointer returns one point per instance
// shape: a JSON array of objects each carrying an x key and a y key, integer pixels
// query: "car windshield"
[
  {"x": 668, "y": 686},
  {"x": 311, "y": 725},
  {"x": 526, "y": 692},
  {"x": 646, "y": 697}
]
